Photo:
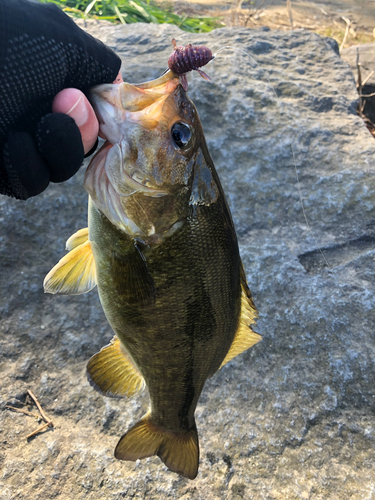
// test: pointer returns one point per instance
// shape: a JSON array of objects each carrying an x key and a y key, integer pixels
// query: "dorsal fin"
[
  {"x": 73, "y": 274},
  {"x": 112, "y": 373},
  {"x": 77, "y": 238},
  {"x": 245, "y": 337}
]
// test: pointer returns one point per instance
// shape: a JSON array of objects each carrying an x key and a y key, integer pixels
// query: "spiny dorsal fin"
[
  {"x": 245, "y": 337},
  {"x": 112, "y": 373},
  {"x": 77, "y": 238},
  {"x": 73, "y": 274},
  {"x": 179, "y": 451}
]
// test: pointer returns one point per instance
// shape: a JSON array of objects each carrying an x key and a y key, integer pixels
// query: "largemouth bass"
[{"x": 162, "y": 249}]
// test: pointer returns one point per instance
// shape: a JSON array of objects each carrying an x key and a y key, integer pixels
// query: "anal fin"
[
  {"x": 245, "y": 337},
  {"x": 179, "y": 451},
  {"x": 112, "y": 373},
  {"x": 74, "y": 274}
]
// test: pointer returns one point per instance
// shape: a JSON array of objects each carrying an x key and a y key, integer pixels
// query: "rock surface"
[
  {"x": 366, "y": 56},
  {"x": 292, "y": 418}
]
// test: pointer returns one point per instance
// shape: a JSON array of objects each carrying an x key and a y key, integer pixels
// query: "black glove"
[{"x": 42, "y": 51}]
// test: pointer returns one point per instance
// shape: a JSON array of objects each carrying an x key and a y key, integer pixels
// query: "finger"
[
  {"x": 27, "y": 172},
  {"x": 75, "y": 104},
  {"x": 119, "y": 78},
  {"x": 59, "y": 141}
]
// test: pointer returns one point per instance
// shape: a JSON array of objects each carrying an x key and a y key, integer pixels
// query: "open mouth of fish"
[
  {"x": 141, "y": 162},
  {"x": 129, "y": 103},
  {"x": 122, "y": 176}
]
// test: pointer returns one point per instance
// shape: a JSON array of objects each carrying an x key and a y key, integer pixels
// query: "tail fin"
[{"x": 179, "y": 452}]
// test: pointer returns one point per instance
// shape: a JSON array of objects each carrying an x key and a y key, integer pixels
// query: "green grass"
[{"x": 134, "y": 11}]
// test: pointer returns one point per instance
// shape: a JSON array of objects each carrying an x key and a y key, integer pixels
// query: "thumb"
[{"x": 75, "y": 104}]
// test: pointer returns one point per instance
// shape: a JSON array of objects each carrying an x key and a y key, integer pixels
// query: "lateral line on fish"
[{"x": 291, "y": 145}]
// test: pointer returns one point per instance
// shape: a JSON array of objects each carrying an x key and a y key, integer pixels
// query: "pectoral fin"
[
  {"x": 245, "y": 337},
  {"x": 179, "y": 451},
  {"x": 134, "y": 281},
  {"x": 73, "y": 274},
  {"x": 112, "y": 373},
  {"x": 77, "y": 238}
]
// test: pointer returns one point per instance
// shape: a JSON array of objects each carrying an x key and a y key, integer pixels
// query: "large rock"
[
  {"x": 293, "y": 417},
  {"x": 365, "y": 55}
]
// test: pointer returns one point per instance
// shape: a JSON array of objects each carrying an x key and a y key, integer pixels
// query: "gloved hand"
[{"x": 42, "y": 51}]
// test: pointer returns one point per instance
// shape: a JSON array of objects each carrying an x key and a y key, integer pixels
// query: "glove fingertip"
[
  {"x": 27, "y": 173},
  {"x": 59, "y": 141}
]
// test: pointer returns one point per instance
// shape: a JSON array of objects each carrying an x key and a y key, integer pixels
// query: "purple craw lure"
[{"x": 189, "y": 58}]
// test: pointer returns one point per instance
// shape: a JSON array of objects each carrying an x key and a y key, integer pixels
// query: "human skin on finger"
[{"x": 74, "y": 103}]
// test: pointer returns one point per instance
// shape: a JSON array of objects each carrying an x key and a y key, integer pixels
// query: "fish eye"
[{"x": 181, "y": 134}]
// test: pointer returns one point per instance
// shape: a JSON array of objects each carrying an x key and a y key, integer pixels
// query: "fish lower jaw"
[
  {"x": 121, "y": 174},
  {"x": 131, "y": 181}
]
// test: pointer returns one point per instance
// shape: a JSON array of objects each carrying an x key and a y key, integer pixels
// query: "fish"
[{"x": 161, "y": 248}]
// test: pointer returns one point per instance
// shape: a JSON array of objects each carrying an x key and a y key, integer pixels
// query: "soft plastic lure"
[{"x": 189, "y": 58}]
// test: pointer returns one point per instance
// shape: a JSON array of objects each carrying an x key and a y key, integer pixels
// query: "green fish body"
[{"x": 166, "y": 262}]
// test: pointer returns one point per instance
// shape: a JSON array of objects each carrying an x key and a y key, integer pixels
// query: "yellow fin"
[
  {"x": 245, "y": 337},
  {"x": 179, "y": 451},
  {"x": 73, "y": 274},
  {"x": 77, "y": 238},
  {"x": 112, "y": 373}
]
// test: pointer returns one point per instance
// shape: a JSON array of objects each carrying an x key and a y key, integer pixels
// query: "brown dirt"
[{"x": 334, "y": 18}]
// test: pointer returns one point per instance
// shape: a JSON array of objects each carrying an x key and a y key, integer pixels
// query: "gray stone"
[
  {"x": 366, "y": 54},
  {"x": 292, "y": 418}
]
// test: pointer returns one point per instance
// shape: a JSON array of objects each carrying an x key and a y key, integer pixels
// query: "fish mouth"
[
  {"x": 121, "y": 173},
  {"x": 129, "y": 185},
  {"x": 120, "y": 107},
  {"x": 141, "y": 103},
  {"x": 164, "y": 78},
  {"x": 134, "y": 186},
  {"x": 122, "y": 179}
]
